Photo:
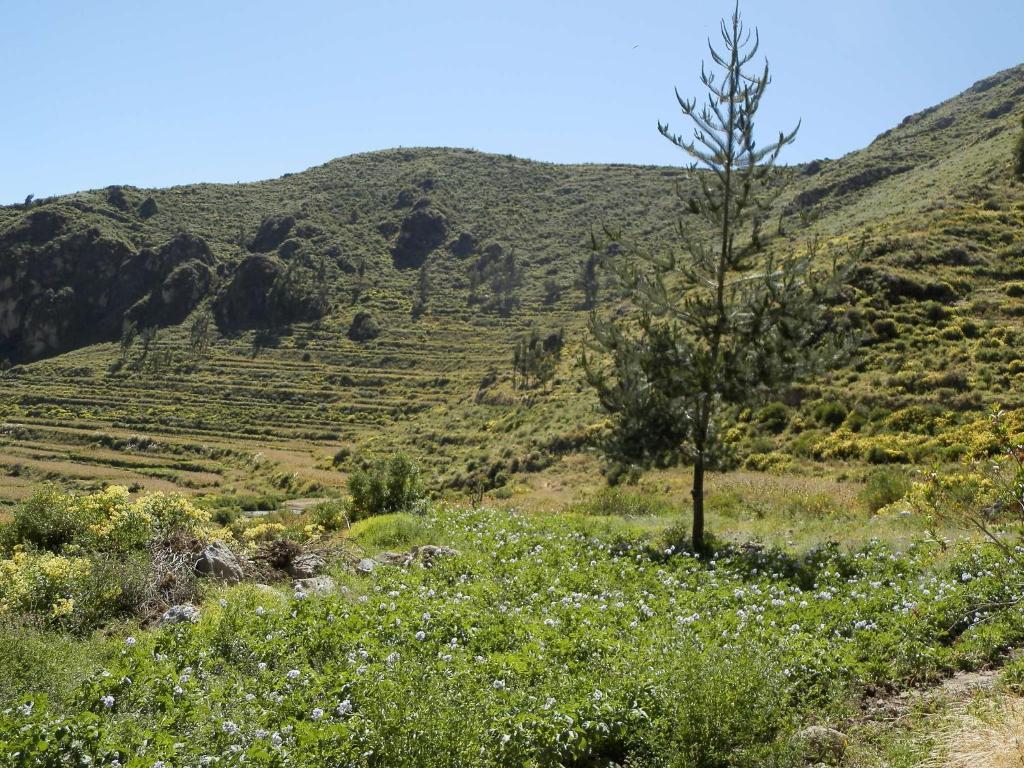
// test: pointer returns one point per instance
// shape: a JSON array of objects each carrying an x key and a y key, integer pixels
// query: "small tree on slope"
[{"x": 722, "y": 325}]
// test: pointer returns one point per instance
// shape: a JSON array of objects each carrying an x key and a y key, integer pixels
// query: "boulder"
[
  {"x": 397, "y": 559},
  {"x": 305, "y": 566},
  {"x": 219, "y": 562},
  {"x": 821, "y": 744},
  {"x": 179, "y": 614},
  {"x": 428, "y": 553},
  {"x": 318, "y": 585},
  {"x": 366, "y": 566}
]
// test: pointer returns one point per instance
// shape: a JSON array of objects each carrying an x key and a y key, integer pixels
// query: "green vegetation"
[
  {"x": 77, "y": 562},
  {"x": 548, "y": 641},
  {"x": 391, "y": 485},
  {"x": 590, "y": 637},
  {"x": 266, "y": 346},
  {"x": 721, "y": 328},
  {"x": 940, "y": 326}
]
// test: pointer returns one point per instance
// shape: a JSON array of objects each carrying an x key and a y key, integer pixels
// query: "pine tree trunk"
[{"x": 698, "y": 503}]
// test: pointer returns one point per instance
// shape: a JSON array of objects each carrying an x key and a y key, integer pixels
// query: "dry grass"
[{"x": 990, "y": 738}]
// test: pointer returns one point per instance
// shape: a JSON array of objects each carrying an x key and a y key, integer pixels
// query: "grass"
[{"x": 989, "y": 736}]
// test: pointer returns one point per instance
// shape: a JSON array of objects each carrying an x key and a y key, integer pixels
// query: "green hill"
[{"x": 259, "y": 377}]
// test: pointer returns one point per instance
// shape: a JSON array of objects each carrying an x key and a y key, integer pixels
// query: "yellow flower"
[
  {"x": 262, "y": 532},
  {"x": 62, "y": 607}
]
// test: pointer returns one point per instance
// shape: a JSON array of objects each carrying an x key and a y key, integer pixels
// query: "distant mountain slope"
[{"x": 418, "y": 241}]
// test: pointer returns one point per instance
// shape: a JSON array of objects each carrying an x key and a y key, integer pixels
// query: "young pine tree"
[{"x": 722, "y": 324}]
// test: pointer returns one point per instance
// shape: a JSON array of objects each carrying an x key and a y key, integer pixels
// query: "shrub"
[
  {"x": 330, "y": 515},
  {"x": 364, "y": 327},
  {"x": 173, "y": 512},
  {"x": 42, "y": 583},
  {"x": 75, "y": 593},
  {"x": 392, "y": 485},
  {"x": 107, "y": 520},
  {"x": 885, "y": 454},
  {"x": 830, "y": 414},
  {"x": 884, "y": 487},
  {"x": 773, "y": 417},
  {"x": 768, "y": 461},
  {"x": 48, "y": 520},
  {"x": 263, "y": 532}
]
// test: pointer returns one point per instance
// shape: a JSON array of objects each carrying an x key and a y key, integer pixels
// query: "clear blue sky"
[{"x": 159, "y": 93}]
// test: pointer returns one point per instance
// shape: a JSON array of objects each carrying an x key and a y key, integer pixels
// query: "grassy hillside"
[{"x": 278, "y": 399}]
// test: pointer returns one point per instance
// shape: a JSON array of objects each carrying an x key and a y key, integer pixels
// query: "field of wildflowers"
[{"x": 551, "y": 640}]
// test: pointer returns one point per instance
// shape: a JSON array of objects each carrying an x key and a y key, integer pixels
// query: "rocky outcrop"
[
  {"x": 148, "y": 208},
  {"x": 263, "y": 293},
  {"x": 305, "y": 566},
  {"x": 421, "y": 232},
  {"x": 464, "y": 245},
  {"x": 245, "y": 302},
  {"x": 185, "y": 262},
  {"x": 65, "y": 283},
  {"x": 273, "y": 231}
]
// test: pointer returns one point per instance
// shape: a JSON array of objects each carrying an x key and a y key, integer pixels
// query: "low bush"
[
  {"x": 830, "y": 414},
  {"x": 79, "y": 561},
  {"x": 884, "y": 487},
  {"x": 47, "y": 520},
  {"x": 392, "y": 485},
  {"x": 773, "y": 418},
  {"x": 330, "y": 515}
]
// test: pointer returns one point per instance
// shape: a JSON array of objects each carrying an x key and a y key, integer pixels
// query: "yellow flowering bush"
[
  {"x": 953, "y": 494},
  {"x": 173, "y": 512},
  {"x": 263, "y": 532},
  {"x": 49, "y": 519},
  {"x": 841, "y": 444},
  {"x": 120, "y": 524},
  {"x": 41, "y": 582},
  {"x": 107, "y": 520}
]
